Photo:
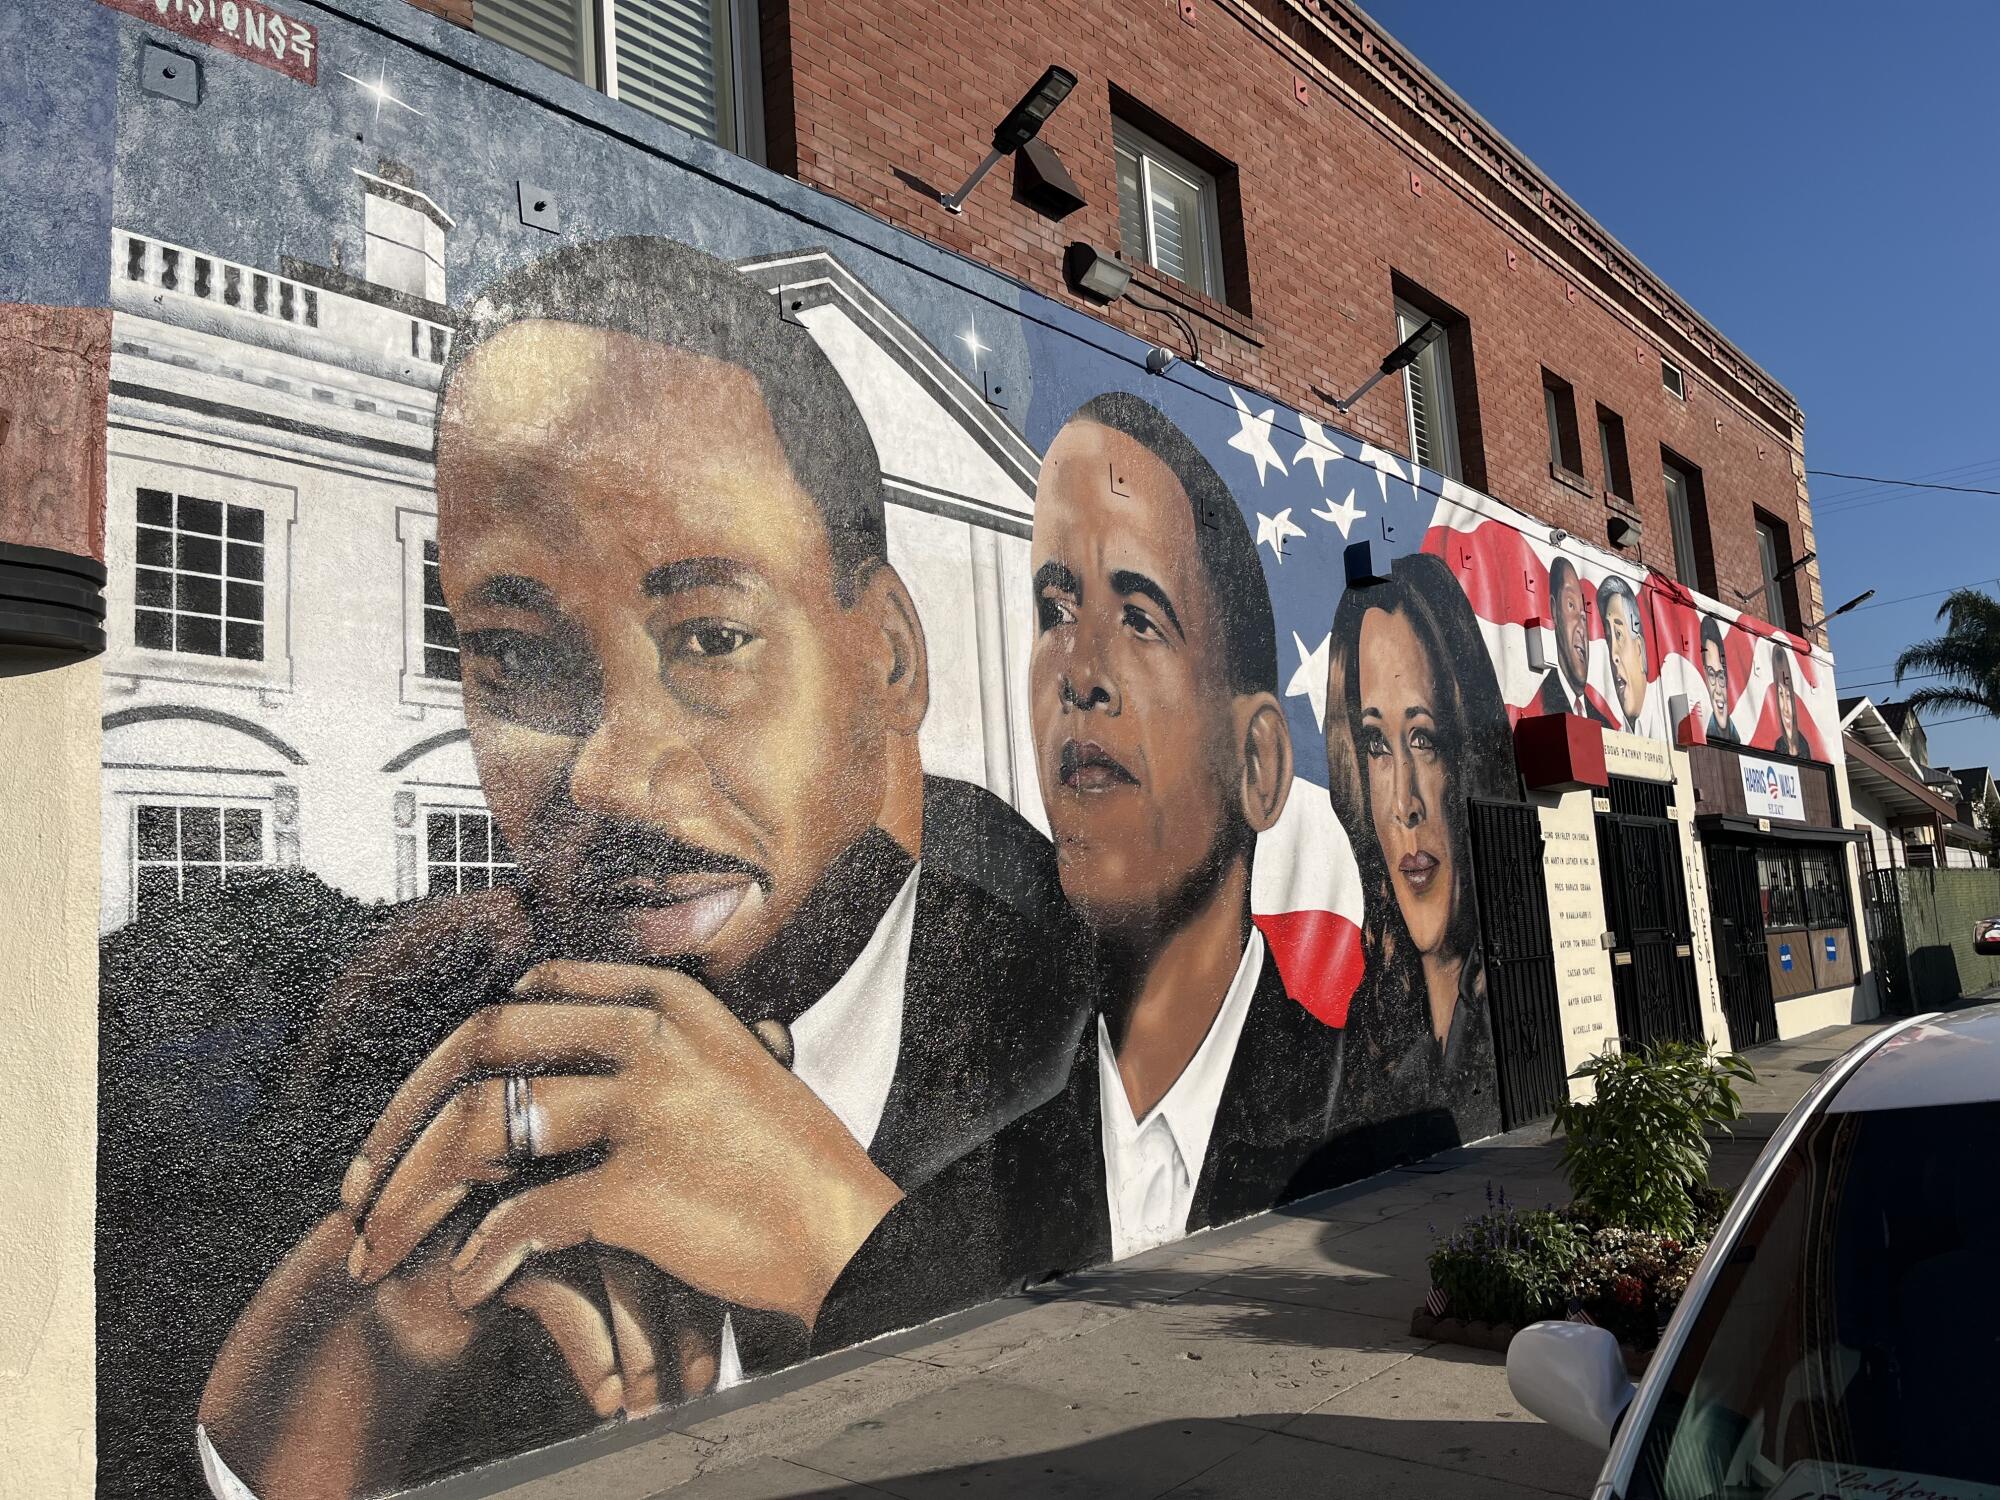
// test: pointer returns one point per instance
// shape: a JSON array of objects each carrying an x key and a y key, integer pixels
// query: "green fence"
[{"x": 1938, "y": 910}]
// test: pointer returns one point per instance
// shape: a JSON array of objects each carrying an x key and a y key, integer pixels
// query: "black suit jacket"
[
  {"x": 1556, "y": 698},
  {"x": 252, "y": 1041},
  {"x": 1031, "y": 1203}
]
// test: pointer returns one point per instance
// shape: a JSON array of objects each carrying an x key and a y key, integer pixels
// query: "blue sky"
[{"x": 1815, "y": 177}]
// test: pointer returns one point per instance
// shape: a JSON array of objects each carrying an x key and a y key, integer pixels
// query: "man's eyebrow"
[
  {"x": 1055, "y": 575},
  {"x": 1126, "y": 582},
  {"x": 513, "y": 591},
  {"x": 696, "y": 573}
]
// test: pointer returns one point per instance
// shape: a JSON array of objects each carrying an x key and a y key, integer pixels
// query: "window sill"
[
  {"x": 1570, "y": 478},
  {"x": 1185, "y": 298},
  {"x": 1623, "y": 504}
]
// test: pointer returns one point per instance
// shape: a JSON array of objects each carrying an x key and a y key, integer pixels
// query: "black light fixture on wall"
[
  {"x": 1105, "y": 278},
  {"x": 1022, "y": 124}
]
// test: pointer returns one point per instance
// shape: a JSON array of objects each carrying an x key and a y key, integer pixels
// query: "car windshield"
[{"x": 1850, "y": 1342}]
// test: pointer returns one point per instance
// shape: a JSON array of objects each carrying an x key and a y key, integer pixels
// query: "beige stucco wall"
[{"x": 48, "y": 1079}]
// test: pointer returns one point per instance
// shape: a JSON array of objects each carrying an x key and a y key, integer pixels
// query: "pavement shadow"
[{"x": 1196, "y": 1458}]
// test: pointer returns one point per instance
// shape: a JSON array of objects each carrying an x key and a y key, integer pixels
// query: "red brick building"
[{"x": 1331, "y": 177}]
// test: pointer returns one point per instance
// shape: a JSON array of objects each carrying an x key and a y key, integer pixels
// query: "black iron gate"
[
  {"x": 1884, "y": 912},
  {"x": 1520, "y": 960},
  {"x": 1645, "y": 900},
  {"x": 1741, "y": 960}
]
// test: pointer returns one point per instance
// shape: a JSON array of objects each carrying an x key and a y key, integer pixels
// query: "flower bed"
[{"x": 1508, "y": 1267}]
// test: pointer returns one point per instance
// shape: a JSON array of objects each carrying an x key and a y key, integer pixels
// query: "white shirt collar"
[
  {"x": 1190, "y": 1106},
  {"x": 846, "y": 1044}
]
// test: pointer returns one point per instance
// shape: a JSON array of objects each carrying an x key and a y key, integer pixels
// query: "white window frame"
[
  {"x": 1677, "y": 386},
  {"x": 737, "y": 57},
  {"x": 1769, "y": 565},
  {"x": 128, "y": 474},
  {"x": 1151, "y": 153},
  {"x": 425, "y": 812},
  {"x": 265, "y": 820},
  {"x": 1680, "y": 521},
  {"x": 413, "y": 529},
  {"x": 1435, "y": 364}
]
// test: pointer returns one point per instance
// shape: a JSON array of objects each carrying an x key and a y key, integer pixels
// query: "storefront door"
[
  {"x": 1645, "y": 900},
  {"x": 1740, "y": 956}
]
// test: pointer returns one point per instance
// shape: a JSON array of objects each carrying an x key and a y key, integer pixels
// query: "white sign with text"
[{"x": 1771, "y": 790}]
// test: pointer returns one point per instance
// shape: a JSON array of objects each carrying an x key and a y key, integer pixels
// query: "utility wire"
[
  {"x": 1908, "y": 484},
  {"x": 1961, "y": 472},
  {"x": 1862, "y": 609}
]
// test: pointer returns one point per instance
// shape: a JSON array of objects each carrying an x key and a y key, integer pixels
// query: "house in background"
[{"x": 1914, "y": 815}]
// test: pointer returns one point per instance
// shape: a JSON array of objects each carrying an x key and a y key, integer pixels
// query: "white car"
[{"x": 1842, "y": 1335}]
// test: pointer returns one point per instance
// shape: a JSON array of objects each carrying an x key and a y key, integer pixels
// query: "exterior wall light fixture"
[
  {"x": 1403, "y": 355},
  {"x": 1022, "y": 124}
]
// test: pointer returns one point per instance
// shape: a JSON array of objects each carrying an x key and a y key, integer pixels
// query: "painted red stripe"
[{"x": 1318, "y": 954}]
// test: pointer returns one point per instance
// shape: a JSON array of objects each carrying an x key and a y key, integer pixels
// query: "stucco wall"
[{"x": 48, "y": 1081}]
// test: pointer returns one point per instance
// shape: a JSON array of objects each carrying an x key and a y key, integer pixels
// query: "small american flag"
[
  {"x": 1436, "y": 1303},
  {"x": 1577, "y": 1313}
]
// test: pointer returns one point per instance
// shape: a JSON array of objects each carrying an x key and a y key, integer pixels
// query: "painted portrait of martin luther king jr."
[{"x": 613, "y": 1135}]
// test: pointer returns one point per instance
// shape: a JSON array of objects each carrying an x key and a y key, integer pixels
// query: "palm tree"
[{"x": 1966, "y": 656}]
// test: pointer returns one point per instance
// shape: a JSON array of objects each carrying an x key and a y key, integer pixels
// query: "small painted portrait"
[
  {"x": 1163, "y": 753},
  {"x": 1715, "y": 676},
  {"x": 1564, "y": 689},
  {"x": 1416, "y": 725},
  {"x": 1626, "y": 640},
  {"x": 1791, "y": 740},
  {"x": 614, "y": 1131}
]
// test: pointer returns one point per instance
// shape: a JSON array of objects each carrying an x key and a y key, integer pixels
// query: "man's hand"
[
  {"x": 321, "y": 1382},
  {"x": 714, "y": 1163}
]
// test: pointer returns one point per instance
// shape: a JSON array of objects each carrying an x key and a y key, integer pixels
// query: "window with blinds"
[
  {"x": 1428, "y": 396},
  {"x": 555, "y": 33},
  {"x": 675, "y": 59},
  {"x": 1168, "y": 212}
]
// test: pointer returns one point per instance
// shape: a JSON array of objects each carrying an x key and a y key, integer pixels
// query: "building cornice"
[{"x": 1342, "y": 46}]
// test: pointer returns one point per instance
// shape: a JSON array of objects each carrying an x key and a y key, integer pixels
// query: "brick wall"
[{"x": 1353, "y": 168}]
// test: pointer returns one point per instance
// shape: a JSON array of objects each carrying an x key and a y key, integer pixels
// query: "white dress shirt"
[
  {"x": 844, "y": 1046},
  {"x": 1151, "y": 1166}
]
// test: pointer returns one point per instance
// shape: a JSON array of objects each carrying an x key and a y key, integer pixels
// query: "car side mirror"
[{"x": 1572, "y": 1376}]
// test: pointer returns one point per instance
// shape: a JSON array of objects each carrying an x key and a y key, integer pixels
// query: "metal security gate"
[
  {"x": 1520, "y": 959},
  {"x": 1645, "y": 900},
  {"x": 1741, "y": 960},
  {"x": 1883, "y": 911}
]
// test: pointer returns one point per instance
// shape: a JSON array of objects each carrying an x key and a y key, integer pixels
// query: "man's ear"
[
  {"x": 905, "y": 662},
  {"x": 1267, "y": 759}
]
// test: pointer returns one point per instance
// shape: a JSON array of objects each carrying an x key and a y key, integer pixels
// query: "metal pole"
[{"x": 955, "y": 202}]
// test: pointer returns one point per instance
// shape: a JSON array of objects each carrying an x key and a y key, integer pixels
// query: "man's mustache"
[{"x": 620, "y": 862}]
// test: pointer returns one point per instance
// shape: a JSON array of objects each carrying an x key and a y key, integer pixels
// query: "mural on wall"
[{"x": 686, "y": 793}]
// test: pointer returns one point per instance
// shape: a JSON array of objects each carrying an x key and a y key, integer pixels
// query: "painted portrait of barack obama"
[
  {"x": 1163, "y": 752},
  {"x": 694, "y": 684}
]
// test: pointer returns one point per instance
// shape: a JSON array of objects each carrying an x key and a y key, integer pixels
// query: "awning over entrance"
[{"x": 1743, "y": 826}]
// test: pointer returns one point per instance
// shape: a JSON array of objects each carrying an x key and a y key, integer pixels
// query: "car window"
[{"x": 1852, "y": 1338}]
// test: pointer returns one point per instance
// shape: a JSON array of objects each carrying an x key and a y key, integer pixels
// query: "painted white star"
[
  {"x": 1385, "y": 464},
  {"x": 1343, "y": 515},
  {"x": 974, "y": 344},
  {"x": 1274, "y": 530},
  {"x": 1318, "y": 447},
  {"x": 380, "y": 89},
  {"x": 1309, "y": 681},
  {"x": 1253, "y": 437}
]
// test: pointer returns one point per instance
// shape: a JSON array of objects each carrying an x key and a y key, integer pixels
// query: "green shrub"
[
  {"x": 1637, "y": 1155},
  {"x": 1508, "y": 1266}
]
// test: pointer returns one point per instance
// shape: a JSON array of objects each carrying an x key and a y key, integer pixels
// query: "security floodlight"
[
  {"x": 1094, "y": 273},
  {"x": 1855, "y": 603},
  {"x": 1400, "y": 357},
  {"x": 1025, "y": 120},
  {"x": 1744, "y": 596},
  {"x": 1023, "y": 123}
]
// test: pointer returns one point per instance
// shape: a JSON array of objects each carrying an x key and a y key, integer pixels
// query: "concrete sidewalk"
[{"x": 1267, "y": 1357}]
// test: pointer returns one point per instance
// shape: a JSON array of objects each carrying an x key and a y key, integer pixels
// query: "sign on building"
[{"x": 1771, "y": 790}]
